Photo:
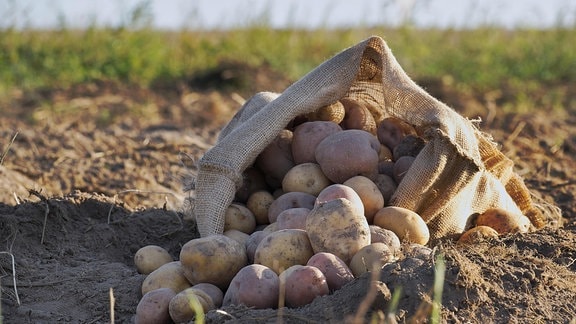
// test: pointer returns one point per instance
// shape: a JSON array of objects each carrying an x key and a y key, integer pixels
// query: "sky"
[{"x": 222, "y": 14}]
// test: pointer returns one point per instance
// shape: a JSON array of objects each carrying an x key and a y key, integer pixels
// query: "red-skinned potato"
[
  {"x": 406, "y": 224},
  {"x": 150, "y": 258},
  {"x": 335, "y": 270},
  {"x": 284, "y": 248},
  {"x": 392, "y": 130},
  {"x": 386, "y": 185},
  {"x": 336, "y": 191},
  {"x": 401, "y": 167},
  {"x": 306, "y": 177},
  {"x": 276, "y": 159},
  {"x": 153, "y": 307},
  {"x": 290, "y": 200},
  {"x": 213, "y": 259},
  {"x": 357, "y": 116},
  {"x": 256, "y": 286},
  {"x": 302, "y": 284},
  {"x": 307, "y": 136},
  {"x": 170, "y": 275},
  {"x": 348, "y": 153},
  {"x": 337, "y": 227},
  {"x": 371, "y": 197},
  {"x": 293, "y": 218},
  {"x": 252, "y": 243}
]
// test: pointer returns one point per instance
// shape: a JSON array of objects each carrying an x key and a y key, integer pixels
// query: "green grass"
[{"x": 520, "y": 61}]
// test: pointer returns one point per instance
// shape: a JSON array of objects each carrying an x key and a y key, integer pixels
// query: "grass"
[{"x": 522, "y": 62}]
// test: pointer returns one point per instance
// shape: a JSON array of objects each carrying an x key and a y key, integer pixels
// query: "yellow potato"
[
  {"x": 238, "y": 236},
  {"x": 239, "y": 217},
  {"x": 371, "y": 258},
  {"x": 371, "y": 197},
  {"x": 170, "y": 275},
  {"x": 477, "y": 234},
  {"x": 150, "y": 258},
  {"x": 306, "y": 177},
  {"x": 406, "y": 224},
  {"x": 259, "y": 202},
  {"x": 337, "y": 227},
  {"x": 213, "y": 259},
  {"x": 503, "y": 221},
  {"x": 284, "y": 248},
  {"x": 181, "y": 306}
]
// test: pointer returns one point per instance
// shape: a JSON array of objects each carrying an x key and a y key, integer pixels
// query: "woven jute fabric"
[{"x": 459, "y": 172}]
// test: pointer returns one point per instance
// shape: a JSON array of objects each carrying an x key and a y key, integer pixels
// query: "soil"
[{"x": 91, "y": 173}]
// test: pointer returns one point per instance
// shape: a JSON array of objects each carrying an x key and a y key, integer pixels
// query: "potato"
[
  {"x": 336, "y": 191},
  {"x": 276, "y": 159},
  {"x": 335, "y": 270},
  {"x": 290, "y": 200},
  {"x": 369, "y": 193},
  {"x": 293, "y": 218},
  {"x": 302, "y": 284},
  {"x": 386, "y": 185},
  {"x": 284, "y": 248},
  {"x": 256, "y": 286},
  {"x": 153, "y": 307},
  {"x": 411, "y": 145},
  {"x": 259, "y": 202},
  {"x": 237, "y": 236},
  {"x": 348, "y": 153},
  {"x": 357, "y": 116},
  {"x": 213, "y": 259},
  {"x": 477, "y": 234},
  {"x": 333, "y": 112},
  {"x": 417, "y": 251},
  {"x": 401, "y": 167},
  {"x": 385, "y": 154},
  {"x": 252, "y": 243},
  {"x": 181, "y": 306},
  {"x": 270, "y": 228},
  {"x": 386, "y": 167},
  {"x": 150, "y": 258},
  {"x": 170, "y": 275},
  {"x": 252, "y": 180},
  {"x": 337, "y": 227},
  {"x": 503, "y": 221},
  {"x": 306, "y": 138},
  {"x": 381, "y": 235},
  {"x": 239, "y": 217},
  {"x": 215, "y": 293},
  {"x": 406, "y": 224},
  {"x": 372, "y": 257},
  {"x": 392, "y": 130},
  {"x": 305, "y": 177}
]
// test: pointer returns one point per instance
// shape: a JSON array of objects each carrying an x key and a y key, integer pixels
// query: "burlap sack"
[{"x": 459, "y": 172}]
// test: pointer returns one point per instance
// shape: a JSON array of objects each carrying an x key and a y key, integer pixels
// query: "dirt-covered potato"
[
  {"x": 477, "y": 234},
  {"x": 417, "y": 251},
  {"x": 150, "y": 258},
  {"x": 381, "y": 235},
  {"x": 337, "y": 227},
  {"x": 406, "y": 224},
  {"x": 215, "y": 293},
  {"x": 336, "y": 191},
  {"x": 302, "y": 284},
  {"x": 503, "y": 221},
  {"x": 306, "y": 177},
  {"x": 213, "y": 259},
  {"x": 239, "y": 217},
  {"x": 290, "y": 200},
  {"x": 181, "y": 307},
  {"x": 284, "y": 248},
  {"x": 411, "y": 145},
  {"x": 170, "y": 275},
  {"x": 276, "y": 159},
  {"x": 392, "y": 130},
  {"x": 386, "y": 185},
  {"x": 259, "y": 202},
  {"x": 293, "y": 218},
  {"x": 386, "y": 167},
  {"x": 256, "y": 286},
  {"x": 335, "y": 270},
  {"x": 153, "y": 307},
  {"x": 238, "y": 236},
  {"x": 348, "y": 153},
  {"x": 401, "y": 167},
  {"x": 371, "y": 257},
  {"x": 252, "y": 180},
  {"x": 307, "y": 136},
  {"x": 371, "y": 197},
  {"x": 252, "y": 243},
  {"x": 357, "y": 116},
  {"x": 333, "y": 113}
]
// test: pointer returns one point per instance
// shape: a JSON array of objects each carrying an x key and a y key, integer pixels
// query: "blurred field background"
[{"x": 522, "y": 69}]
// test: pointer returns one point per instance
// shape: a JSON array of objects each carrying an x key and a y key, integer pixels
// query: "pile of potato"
[{"x": 312, "y": 214}]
